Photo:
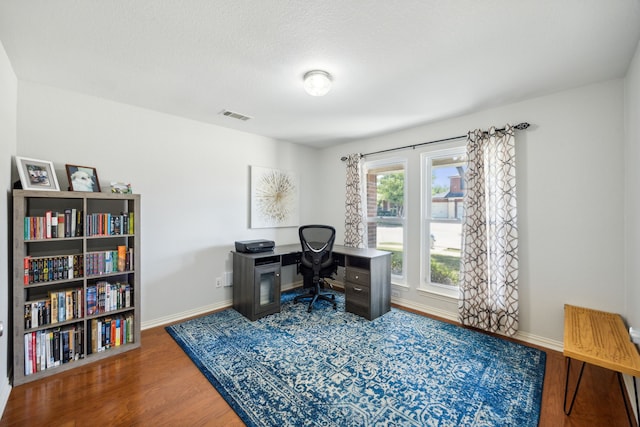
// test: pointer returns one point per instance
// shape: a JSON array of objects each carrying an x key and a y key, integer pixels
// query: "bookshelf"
[{"x": 76, "y": 280}]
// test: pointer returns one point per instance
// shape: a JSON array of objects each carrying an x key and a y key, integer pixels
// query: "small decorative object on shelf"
[
  {"x": 76, "y": 281},
  {"x": 120, "y": 188},
  {"x": 83, "y": 178}
]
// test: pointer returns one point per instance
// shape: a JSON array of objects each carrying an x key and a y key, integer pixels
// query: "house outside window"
[
  {"x": 443, "y": 198},
  {"x": 386, "y": 211}
]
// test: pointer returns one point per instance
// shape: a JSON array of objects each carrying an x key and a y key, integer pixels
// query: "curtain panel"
[
  {"x": 489, "y": 261},
  {"x": 354, "y": 223}
]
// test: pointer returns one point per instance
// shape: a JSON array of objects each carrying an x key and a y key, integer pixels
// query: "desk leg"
[
  {"x": 635, "y": 392},
  {"x": 629, "y": 411},
  {"x": 566, "y": 387}
]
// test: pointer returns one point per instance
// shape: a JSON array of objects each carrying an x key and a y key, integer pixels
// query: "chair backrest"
[{"x": 317, "y": 246}]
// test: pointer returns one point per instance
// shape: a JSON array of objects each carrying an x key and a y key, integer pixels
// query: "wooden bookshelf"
[{"x": 99, "y": 256}]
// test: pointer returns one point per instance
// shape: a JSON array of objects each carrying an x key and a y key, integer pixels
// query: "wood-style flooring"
[{"x": 158, "y": 385}]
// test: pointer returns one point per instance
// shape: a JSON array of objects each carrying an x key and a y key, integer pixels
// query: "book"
[
  {"x": 54, "y": 307},
  {"x": 92, "y": 300},
  {"x": 69, "y": 302},
  {"x": 113, "y": 334},
  {"x": 65, "y": 346},
  {"x": 79, "y": 224},
  {"x": 56, "y": 347},
  {"x": 47, "y": 215},
  {"x": 61, "y": 225},
  {"x": 117, "y": 331},
  {"x": 27, "y": 354},
  {"x": 54, "y": 225},
  {"x": 27, "y": 268},
  {"x": 122, "y": 258},
  {"x": 73, "y": 221},
  {"x": 62, "y": 307},
  {"x": 67, "y": 223}
]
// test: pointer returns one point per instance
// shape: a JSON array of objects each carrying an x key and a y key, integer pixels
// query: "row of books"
[
  {"x": 106, "y": 224},
  {"x": 70, "y": 223},
  {"x": 111, "y": 332},
  {"x": 46, "y": 269},
  {"x": 59, "y": 306},
  {"x": 52, "y": 347},
  {"x": 105, "y": 262},
  {"x": 53, "y": 225},
  {"x": 104, "y": 297}
]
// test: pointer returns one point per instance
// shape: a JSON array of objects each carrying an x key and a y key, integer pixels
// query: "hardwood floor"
[{"x": 158, "y": 385}]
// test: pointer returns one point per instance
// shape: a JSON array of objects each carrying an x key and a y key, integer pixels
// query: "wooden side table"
[{"x": 599, "y": 338}]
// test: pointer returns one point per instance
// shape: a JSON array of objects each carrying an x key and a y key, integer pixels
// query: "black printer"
[{"x": 253, "y": 246}]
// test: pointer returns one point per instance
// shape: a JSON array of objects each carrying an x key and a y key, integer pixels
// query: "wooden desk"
[
  {"x": 367, "y": 280},
  {"x": 601, "y": 339}
]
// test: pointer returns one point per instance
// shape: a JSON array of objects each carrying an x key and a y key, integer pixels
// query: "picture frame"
[
  {"x": 83, "y": 178},
  {"x": 37, "y": 174},
  {"x": 275, "y": 198}
]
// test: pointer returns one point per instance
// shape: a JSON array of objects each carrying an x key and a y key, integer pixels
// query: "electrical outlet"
[
  {"x": 635, "y": 335},
  {"x": 395, "y": 294},
  {"x": 218, "y": 282}
]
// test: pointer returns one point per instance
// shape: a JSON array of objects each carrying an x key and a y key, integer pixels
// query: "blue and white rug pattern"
[{"x": 332, "y": 368}]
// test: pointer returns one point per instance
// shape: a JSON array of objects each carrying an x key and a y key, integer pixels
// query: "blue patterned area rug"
[{"x": 331, "y": 368}]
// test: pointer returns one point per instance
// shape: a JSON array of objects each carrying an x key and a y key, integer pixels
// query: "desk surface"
[
  {"x": 339, "y": 249},
  {"x": 599, "y": 338}
]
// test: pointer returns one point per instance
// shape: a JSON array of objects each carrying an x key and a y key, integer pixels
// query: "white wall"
[
  {"x": 193, "y": 178},
  {"x": 632, "y": 190},
  {"x": 8, "y": 103},
  {"x": 570, "y": 165}
]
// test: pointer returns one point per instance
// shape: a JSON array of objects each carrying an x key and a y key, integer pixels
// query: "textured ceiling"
[{"x": 395, "y": 64}]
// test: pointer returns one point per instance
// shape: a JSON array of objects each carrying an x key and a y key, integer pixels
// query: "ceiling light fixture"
[{"x": 317, "y": 82}]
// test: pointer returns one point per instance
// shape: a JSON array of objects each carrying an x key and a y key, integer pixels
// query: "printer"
[{"x": 253, "y": 246}]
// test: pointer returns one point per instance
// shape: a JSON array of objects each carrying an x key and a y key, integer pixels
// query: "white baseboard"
[
  {"x": 5, "y": 391},
  {"x": 447, "y": 315},
  {"x": 185, "y": 314},
  {"x": 199, "y": 311}
]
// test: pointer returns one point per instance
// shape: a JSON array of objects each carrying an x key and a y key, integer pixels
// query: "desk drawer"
[
  {"x": 358, "y": 299},
  {"x": 358, "y": 276},
  {"x": 357, "y": 294}
]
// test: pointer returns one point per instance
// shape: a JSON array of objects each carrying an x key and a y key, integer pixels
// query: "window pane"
[
  {"x": 389, "y": 237},
  {"x": 447, "y": 187},
  {"x": 385, "y": 210},
  {"x": 446, "y": 245},
  {"x": 445, "y": 229}
]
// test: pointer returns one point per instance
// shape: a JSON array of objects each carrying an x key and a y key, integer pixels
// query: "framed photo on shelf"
[
  {"x": 83, "y": 178},
  {"x": 37, "y": 174}
]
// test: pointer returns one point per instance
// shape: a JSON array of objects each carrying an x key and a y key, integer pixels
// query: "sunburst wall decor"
[{"x": 274, "y": 198}]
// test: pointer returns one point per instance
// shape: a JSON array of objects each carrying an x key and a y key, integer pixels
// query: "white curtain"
[
  {"x": 354, "y": 223},
  {"x": 489, "y": 265}
]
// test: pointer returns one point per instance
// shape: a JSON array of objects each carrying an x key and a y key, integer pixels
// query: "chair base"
[{"x": 315, "y": 295}]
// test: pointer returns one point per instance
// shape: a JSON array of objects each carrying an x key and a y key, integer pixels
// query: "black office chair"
[{"x": 317, "y": 262}]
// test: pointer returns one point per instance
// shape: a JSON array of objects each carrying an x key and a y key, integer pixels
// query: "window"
[
  {"x": 386, "y": 209},
  {"x": 444, "y": 190}
]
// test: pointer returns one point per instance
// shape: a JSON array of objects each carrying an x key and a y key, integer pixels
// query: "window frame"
[
  {"x": 378, "y": 164},
  {"x": 426, "y": 166}
]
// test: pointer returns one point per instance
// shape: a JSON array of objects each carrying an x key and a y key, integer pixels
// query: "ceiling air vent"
[{"x": 235, "y": 115}]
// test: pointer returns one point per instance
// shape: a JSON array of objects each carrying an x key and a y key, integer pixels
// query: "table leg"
[
  {"x": 635, "y": 392},
  {"x": 566, "y": 387}
]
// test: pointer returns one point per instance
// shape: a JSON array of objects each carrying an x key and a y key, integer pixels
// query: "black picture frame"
[{"x": 83, "y": 178}]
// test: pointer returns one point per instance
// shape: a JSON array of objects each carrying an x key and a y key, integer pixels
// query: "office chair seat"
[{"x": 317, "y": 262}]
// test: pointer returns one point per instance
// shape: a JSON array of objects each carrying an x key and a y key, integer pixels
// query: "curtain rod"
[{"x": 520, "y": 126}]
